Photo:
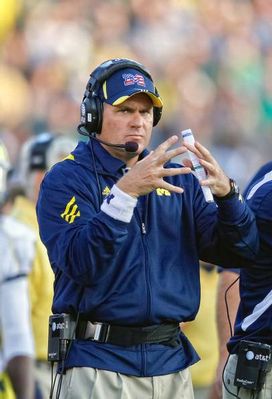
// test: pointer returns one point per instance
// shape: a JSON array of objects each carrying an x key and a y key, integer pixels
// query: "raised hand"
[
  {"x": 218, "y": 182},
  {"x": 147, "y": 174}
]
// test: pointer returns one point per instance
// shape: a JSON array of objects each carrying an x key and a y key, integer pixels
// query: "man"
[
  {"x": 38, "y": 155},
  {"x": 17, "y": 246},
  {"x": 254, "y": 316},
  {"x": 124, "y": 244}
]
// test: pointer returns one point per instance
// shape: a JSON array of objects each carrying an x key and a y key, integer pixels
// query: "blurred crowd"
[{"x": 212, "y": 61}]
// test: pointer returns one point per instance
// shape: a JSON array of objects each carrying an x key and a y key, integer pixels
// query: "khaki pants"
[
  {"x": 265, "y": 393},
  {"x": 89, "y": 383}
]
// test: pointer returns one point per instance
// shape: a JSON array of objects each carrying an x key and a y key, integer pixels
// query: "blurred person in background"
[
  {"x": 38, "y": 155},
  {"x": 124, "y": 244},
  {"x": 17, "y": 248},
  {"x": 250, "y": 301}
]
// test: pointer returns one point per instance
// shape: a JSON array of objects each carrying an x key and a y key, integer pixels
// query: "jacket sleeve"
[
  {"x": 232, "y": 237},
  {"x": 81, "y": 240}
]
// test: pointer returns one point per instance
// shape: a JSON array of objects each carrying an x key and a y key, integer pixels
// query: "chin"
[{"x": 141, "y": 147}]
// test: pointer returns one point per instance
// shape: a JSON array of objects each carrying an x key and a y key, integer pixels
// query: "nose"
[{"x": 137, "y": 119}]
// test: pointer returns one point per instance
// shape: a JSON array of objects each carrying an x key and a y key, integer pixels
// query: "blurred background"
[{"x": 211, "y": 61}]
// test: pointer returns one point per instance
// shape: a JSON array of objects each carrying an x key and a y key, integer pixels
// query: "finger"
[
  {"x": 205, "y": 153},
  {"x": 167, "y": 156},
  {"x": 212, "y": 169},
  {"x": 207, "y": 182},
  {"x": 175, "y": 171},
  {"x": 149, "y": 155},
  {"x": 166, "y": 144},
  {"x": 192, "y": 148},
  {"x": 171, "y": 187}
]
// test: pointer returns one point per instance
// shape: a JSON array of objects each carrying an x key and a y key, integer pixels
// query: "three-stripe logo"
[{"x": 71, "y": 211}]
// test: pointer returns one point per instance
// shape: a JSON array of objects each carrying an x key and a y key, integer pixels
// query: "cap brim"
[{"x": 157, "y": 102}]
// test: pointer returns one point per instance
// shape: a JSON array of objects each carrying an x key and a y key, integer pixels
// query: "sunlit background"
[{"x": 211, "y": 61}]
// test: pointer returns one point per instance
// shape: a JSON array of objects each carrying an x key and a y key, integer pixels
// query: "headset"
[{"x": 91, "y": 109}]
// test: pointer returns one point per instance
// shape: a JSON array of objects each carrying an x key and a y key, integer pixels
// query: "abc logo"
[{"x": 57, "y": 326}]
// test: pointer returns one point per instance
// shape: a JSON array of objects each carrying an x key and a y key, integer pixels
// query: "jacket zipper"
[{"x": 143, "y": 228}]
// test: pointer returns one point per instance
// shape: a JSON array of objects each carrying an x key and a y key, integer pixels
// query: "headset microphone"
[{"x": 129, "y": 146}]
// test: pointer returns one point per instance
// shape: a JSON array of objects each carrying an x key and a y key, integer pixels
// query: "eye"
[
  {"x": 147, "y": 113},
  {"x": 123, "y": 110}
]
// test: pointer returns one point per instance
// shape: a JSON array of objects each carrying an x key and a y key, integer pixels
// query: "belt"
[{"x": 166, "y": 333}]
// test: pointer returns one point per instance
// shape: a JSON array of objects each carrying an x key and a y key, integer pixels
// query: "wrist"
[
  {"x": 233, "y": 192},
  {"x": 119, "y": 205},
  {"x": 127, "y": 190}
]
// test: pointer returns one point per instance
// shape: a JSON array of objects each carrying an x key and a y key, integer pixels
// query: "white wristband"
[{"x": 119, "y": 205}]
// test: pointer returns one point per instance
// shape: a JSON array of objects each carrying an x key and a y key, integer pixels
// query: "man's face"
[{"x": 130, "y": 121}]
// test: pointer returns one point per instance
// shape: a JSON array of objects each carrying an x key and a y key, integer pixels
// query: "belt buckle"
[{"x": 101, "y": 332}]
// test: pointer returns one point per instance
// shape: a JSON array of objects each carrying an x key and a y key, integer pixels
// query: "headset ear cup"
[
  {"x": 91, "y": 114},
  {"x": 157, "y": 112}
]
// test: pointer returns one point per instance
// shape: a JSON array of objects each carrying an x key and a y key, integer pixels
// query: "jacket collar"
[{"x": 104, "y": 161}]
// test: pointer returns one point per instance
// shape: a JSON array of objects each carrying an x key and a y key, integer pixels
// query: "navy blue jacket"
[
  {"x": 139, "y": 273},
  {"x": 254, "y": 317}
]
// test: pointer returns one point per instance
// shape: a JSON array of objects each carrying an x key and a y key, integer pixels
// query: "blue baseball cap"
[{"x": 126, "y": 82}]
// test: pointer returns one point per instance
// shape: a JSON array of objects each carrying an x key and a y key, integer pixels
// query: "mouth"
[{"x": 134, "y": 137}]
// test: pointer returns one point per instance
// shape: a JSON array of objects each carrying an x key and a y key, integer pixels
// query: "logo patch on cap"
[{"x": 130, "y": 79}]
